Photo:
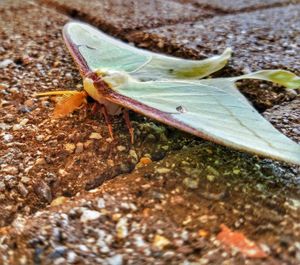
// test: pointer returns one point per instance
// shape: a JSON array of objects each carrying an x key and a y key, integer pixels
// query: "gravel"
[{"x": 104, "y": 201}]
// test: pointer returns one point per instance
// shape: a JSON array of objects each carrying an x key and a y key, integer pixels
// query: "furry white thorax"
[{"x": 113, "y": 79}]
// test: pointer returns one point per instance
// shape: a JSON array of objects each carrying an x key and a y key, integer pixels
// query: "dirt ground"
[{"x": 71, "y": 195}]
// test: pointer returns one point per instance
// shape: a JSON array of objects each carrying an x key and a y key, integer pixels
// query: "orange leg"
[
  {"x": 84, "y": 106},
  {"x": 95, "y": 108},
  {"x": 128, "y": 124},
  {"x": 107, "y": 120}
]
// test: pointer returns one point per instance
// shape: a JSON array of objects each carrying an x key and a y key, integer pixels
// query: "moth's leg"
[
  {"x": 95, "y": 108},
  {"x": 128, "y": 124},
  {"x": 107, "y": 120},
  {"x": 84, "y": 106}
]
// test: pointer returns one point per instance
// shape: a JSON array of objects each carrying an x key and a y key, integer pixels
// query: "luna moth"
[{"x": 172, "y": 91}]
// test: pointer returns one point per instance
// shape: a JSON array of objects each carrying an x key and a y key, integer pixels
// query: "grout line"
[
  {"x": 108, "y": 28},
  {"x": 243, "y": 10}
]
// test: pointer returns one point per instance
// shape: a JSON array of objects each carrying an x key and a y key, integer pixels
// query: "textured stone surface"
[
  {"x": 263, "y": 39},
  {"x": 119, "y": 16},
  {"x": 286, "y": 117},
  {"x": 148, "y": 217},
  {"x": 165, "y": 211},
  {"x": 238, "y": 5}
]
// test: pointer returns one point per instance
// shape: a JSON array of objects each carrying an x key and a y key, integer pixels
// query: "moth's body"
[
  {"x": 97, "y": 95},
  {"x": 97, "y": 84}
]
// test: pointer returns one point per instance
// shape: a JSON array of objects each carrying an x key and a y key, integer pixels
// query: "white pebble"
[
  {"x": 115, "y": 260},
  {"x": 7, "y": 137},
  {"x": 162, "y": 170},
  {"x": 89, "y": 215},
  {"x": 5, "y": 63},
  {"x": 71, "y": 257},
  {"x": 121, "y": 148},
  {"x": 101, "y": 203}
]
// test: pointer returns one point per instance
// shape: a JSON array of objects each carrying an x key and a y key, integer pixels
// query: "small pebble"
[
  {"x": 109, "y": 140},
  {"x": 145, "y": 160},
  {"x": 210, "y": 178},
  {"x": 40, "y": 138},
  {"x": 71, "y": 257},
  {"x": 22, "y": 189},
  {"x": 89, "y": 215},
  {"x": 101, "y": 203},
  {"x": 9, "y": 118},
  {"x": 29, "y": 103},
  {"x": 14, "y": 90},
  {"x": 2, "y": 186},
  {"x": 7, "y": 137},
  {"x": 17, "y": 127},
  {"x": 24, "y": 109},
  {"x": 212, "y": 171},
  {"x": 10, "y": 170},
  {"x": 6, "y": 62},
  {"x": 4, "y": 126},
  {"x": 59, "y": 200},
  {"x": 116, "y": 216},
  {"x": 59, "y": 261},
  {"x": 139, "y": 241},
  {"x": 202, "y": 233},
  {"x": 110, "y": 162},
  {"x": 160, "y": 242},
  {"x": 115, "y": 260},
  {"x": 4, "y": 86},
  {"x": 121, "y": 228},
  {"x": 121, "y": 148},
  {"x": 10, "y": 181},
  {"x": 168, "y": 254},
  {"x": 23, "y": 122},
  {"x": 133, "y": 155},
  {"x": 43, "y": 191},
  {"x": 158, "y": 155},
  {"x": 45, "y": 103},
  {"x": 25, "y": 180},
  {"x": 191, "y": 183},
  {"x": 83, "y": 248},
  {"x": 162, "y": 170},
  {"x": 291, "y": 93},
  {"x": 79, "y": 148},
  {"x": 68, "y": 76},
  {"x": 95, "y": 135},
  {"x": 41, "y": 161},
  {"x": 62, "y": 172},
  {"x": 69, "y": 147},
  {"x": 236, "y": 171},
  {"x": 23, "y": 260},
  {"x": 87, "y": 144}
]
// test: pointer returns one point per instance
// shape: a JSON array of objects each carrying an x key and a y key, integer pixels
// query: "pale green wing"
[
  {"x": 101, "y": 51},
  {"x": 213, "y": 109},
  {"x": 281, "y": 77}
]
